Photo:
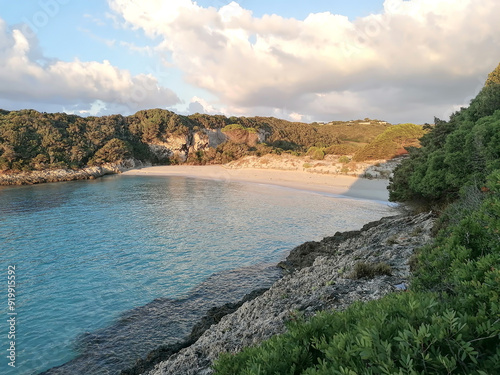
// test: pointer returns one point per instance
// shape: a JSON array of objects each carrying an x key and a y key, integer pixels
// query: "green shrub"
[
  {"x": 455, "y": 153},
  {"x": 404, "y": 333},
  {"x": 344, "y": 159},
  {"x": 233, "y": 127},
  {"x": 370, "y": 270},
  {"x": 113, "y": 151},
  {"x": 342, "y": 149},
  {"x": 316, "y": 153}
]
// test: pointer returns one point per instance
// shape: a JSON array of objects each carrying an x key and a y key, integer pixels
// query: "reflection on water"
[{"x": 28, "y": 199}]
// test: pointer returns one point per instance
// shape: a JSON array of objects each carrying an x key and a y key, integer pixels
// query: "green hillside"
[
  {"x": 392, "y": 142},
  {"x": 30, "y": 140}
]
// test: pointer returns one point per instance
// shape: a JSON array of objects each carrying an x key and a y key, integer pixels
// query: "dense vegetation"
[
  {"x": 457, "y": 153},
  {"x": 392, "y": 142},
  {"x": 30, "y": 140},
  {"x": 449, "y": 321}
]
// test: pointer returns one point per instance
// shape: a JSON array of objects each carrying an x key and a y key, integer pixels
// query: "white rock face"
[
  {"x": 180, "y": 146},
  {"x": 200, "y": 141},
  {"x": 215, "y": 137},
  {"x": 174, "y": 146},
  {"x": 326, "y": 284}
]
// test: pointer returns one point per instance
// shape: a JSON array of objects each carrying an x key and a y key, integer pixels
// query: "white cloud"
[
  {"x": 294, "y": 116},
  {"x": 201, "y": 105},
  {"x": 143, "y": 50},
  {"x": 415, "y": 54},
  {"x": 26, "y": 75}
]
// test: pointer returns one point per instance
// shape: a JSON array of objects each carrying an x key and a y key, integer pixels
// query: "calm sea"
[{"x": 106, "y": 270}]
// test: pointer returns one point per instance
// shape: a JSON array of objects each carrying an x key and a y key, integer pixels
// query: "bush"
[
  {"x": 113, "y": 151},
  {"x": 455, "y": 153},
  {"x": 316, "y": 153},
  {"x": 231, "y": 127},
  {"x": 369, "y": 270},
  {"x": 404, "y": 333},
  {"x": 342, "y": 149},
  {"x": 344, "y": 159}
]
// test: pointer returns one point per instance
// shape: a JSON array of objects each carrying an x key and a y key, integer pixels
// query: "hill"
[{"x": 30, "y": 140}]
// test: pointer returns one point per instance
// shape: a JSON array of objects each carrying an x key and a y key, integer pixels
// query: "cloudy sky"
[{"x": 314, "y": 60}]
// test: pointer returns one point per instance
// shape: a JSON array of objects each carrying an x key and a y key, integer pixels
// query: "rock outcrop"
[
  {"x": 56, "y": 175},
  {"x": 213, "y": 316},
  {"x": 179, "y": 146},
  {"x": 321, "y": 277}
]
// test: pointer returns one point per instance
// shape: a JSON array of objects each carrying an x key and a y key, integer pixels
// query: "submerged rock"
[{"x": 213, "y": 316}]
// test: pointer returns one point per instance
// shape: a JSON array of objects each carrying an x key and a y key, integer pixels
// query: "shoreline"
[
  {"x": 60, "y": 175},
  {"x": 324, "y": 282},
  {"x": 353, "y": 187}
]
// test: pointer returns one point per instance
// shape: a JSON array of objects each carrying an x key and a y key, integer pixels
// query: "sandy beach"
[{"x": 334, "y": 184}]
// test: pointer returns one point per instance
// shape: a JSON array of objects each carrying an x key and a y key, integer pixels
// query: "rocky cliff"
[
  {"x": 179, "y": 146},
  {"x": 331, "y": 274}
]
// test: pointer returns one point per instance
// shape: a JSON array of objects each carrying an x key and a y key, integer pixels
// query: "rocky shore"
[
  {"x": 64, "y": 174},
  {"x": 331, "y": 274}
]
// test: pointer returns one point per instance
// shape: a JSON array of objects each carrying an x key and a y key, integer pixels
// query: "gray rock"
[{"x": 63, "y": 174}]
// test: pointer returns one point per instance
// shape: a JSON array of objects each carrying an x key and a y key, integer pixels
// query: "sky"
[{"x": 317, "y": 60}]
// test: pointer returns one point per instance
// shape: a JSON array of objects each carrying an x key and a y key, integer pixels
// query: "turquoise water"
[{"x": 89, "y": 254}]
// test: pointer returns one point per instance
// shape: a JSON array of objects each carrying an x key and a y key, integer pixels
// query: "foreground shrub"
[{"x": 405, "y": 333}]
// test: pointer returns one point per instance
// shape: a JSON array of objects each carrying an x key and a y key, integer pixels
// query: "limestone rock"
[{"x": 56, "y": 175}]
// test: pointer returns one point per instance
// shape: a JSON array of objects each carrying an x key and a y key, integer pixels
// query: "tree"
[
  {"x": 114, "y": 151},
  {"x": 455, "y": 153}
]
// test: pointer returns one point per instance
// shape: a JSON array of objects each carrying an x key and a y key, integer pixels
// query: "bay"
[{"x": 100, "y": 262}]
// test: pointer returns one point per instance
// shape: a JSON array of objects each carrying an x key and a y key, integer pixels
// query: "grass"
[{"x": 370, "y": 270}]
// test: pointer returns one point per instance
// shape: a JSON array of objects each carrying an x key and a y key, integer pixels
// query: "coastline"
[
  {"x": 60, "y": 175},
  {"x": 325, "y": 282},
  {"x": 354, "y": 187},
  {"x": 281, "y": 307}
]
